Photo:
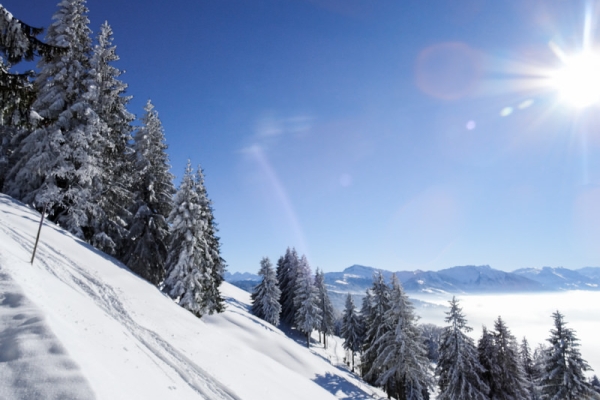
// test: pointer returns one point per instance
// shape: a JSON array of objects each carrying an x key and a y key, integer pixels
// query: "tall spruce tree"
[
  {"x": 265, "y": 297},
  {"x": 110, "y": 104},
  {"x": 287, "y": 271},
  {"x": 401, "y": 363},
  {"x": 508, "y": 379},
  {"x": 214, "y": 264},
  {"x": 325, "y": 307},
  {"x": 58, "y": 162},
  {"x": 352, "y": 330},
  {"x": 375, "y": 305},
  {"x": 145, "y": 249},
  {"x": 18, "y": 42},
  {"x": 185, "y": 276},
  {"x": 459, "y": 371},
  {"x": 563, "y": 376},
  {"x": 306, "y": 300}
]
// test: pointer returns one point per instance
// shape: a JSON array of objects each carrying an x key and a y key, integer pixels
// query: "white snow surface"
[{"x": 78, "y": 324}]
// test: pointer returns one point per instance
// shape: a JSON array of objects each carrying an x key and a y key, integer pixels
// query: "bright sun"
[{"x": 578, "y": 82}]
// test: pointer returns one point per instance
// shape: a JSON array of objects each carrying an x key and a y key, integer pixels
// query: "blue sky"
[{"x": 396, "y": 134}]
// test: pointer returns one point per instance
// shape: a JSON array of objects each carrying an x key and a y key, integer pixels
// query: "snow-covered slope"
[{"x": 77, "y": 324}]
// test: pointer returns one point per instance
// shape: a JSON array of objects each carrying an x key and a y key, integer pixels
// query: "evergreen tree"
[
  {"x": 352, "y": 328},
  {"x": 110, "y": 104},
  {"x": 595, "y": 383},
  {"x": 308, "y": 316},
  {"x": 401, "y": 362},
  {"x": 185, "y": 276},
  {"x": 563, "y": 376},
  {"x": 214, "y": 264},
  {"x": 486, "y": 352},
  {"x": 375, "y": 305},
  {"x": 458, "y": 369},
  {"x": 287, "y": 270},
  {"x": 145, "y": 249},
  {"x": 265, "y": 298},
  {"x": 58, "y": 162},
  {"x": 325, "y": 307},
  {"x": 431, "y": 339},
  {"x": 509, "y": 381},
  {"x": 529, "y": 368}
]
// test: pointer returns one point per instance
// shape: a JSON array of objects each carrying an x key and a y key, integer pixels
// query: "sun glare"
[{"x": 578, "y": 82}]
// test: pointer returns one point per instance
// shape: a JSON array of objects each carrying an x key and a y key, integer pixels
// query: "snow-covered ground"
[{"x": 77, "y": 324}]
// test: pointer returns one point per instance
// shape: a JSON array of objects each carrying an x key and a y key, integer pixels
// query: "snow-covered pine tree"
[
  {"x": 18, "y": 42},
  {"x": 58, "y": 162},
  {"x": 265, "y": 297},
  {"x": 352, "y": 330},
  {"x": 595, "y": 382},
  {"x": 287, "y": 271},
  {"x": 110, "y": 104},
  {"x": 327, "y": 320},
  {"x": 563, "y": 376},
  {"x": 401, "y": 362},
  {"x": 145, "y": 249},
  {"x": 375, "y": 304},
  {"x": 486, "y": 353},
  {"x": 531, "y": 374},
  {"x": 508, "y": 379},
  {"x": 214, "y": 264},
  {"x": 185, "y": 275},
  {"x": 308, "y": 315},
  {"x": 432, "y": 335},
  {"x": 459, "y": 371}
]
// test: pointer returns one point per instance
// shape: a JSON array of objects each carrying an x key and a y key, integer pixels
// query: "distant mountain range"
[{"x": 455, "y": 280}]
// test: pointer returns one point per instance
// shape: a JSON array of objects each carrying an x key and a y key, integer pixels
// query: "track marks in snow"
[
  {"x": 105, "y": 297},
  {"x": 33, "y": 363}
]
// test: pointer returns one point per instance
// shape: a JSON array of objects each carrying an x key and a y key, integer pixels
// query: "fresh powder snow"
[{"x": 78, "y": 324}]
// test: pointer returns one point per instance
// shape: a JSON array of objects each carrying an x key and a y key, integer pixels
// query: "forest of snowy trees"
[
  {"x": 68, "y": 145},
  {"x": 411, "y": 360}
]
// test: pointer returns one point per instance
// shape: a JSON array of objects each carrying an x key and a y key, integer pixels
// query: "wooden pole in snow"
[{"x": 38, "y": 235}]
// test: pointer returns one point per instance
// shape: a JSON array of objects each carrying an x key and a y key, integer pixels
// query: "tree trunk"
[{"x": 308, "y": 340}]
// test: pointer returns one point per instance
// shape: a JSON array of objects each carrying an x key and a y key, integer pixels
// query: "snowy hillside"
[{"x": 77, "y": 324}]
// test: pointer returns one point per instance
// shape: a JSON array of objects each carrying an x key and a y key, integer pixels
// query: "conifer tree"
[
  {"x": 508, "y": 380},
  {"x": 325, "y": 307},
  {"x": 306, "y": 300},
  {"x": 375, "y": 305},
  {"x": 185, "y": 276},
  {"x": 287, "y": 270},
  {"x": 531, "y": 374},
  {"x": 595, "y": 382},
  {"x": 58, "y": 162},
  {"x": 352, "y": 330},
  {"x": 214, "y": 264},
  {"x": 401, "y": 363},
  {"x": 265, "y": 298},
  {"x": 563, "y": 376},
  {"x": 145, "y": 249},
  {"x": 459, "y": 371},
  {"x": 108, "y": 101}
]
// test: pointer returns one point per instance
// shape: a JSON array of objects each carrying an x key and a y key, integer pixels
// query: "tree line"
[{"x": 68, "y": 145}]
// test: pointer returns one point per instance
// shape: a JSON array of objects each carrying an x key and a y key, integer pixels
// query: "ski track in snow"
[{"x": 105, "y": 297}]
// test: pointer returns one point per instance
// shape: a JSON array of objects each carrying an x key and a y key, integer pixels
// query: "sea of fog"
[{"x": 528, "y": 315}]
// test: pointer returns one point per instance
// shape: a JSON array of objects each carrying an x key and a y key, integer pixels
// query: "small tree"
[
  {"x": 325, "y": 307},
  {"x": 308, "y": 315},
  {"x": 563, "y": 376},
  {"x": 352, "y": 330},
  {"x": 531, "y": 373},
  {"x": 458, "y": 369},
  {"x": 287, "y": 271},
  {"x": 508, "y": 379},
  {"x": 265, "y": 298}
]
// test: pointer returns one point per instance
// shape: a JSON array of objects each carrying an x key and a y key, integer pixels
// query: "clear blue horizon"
[{"x": 398, "y": 135}]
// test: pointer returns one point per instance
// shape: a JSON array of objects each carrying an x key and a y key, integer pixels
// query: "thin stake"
[{"x": 38, "y": 234}]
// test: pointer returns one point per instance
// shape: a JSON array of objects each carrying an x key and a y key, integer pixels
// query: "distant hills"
[{"x": 455, "y": 280}]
